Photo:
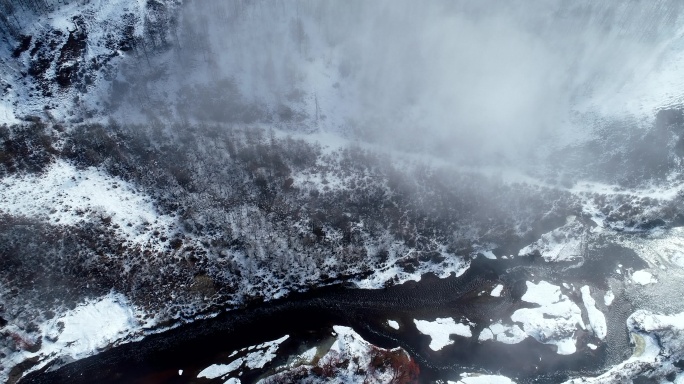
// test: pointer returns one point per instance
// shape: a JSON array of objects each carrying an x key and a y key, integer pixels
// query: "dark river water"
[{"x": 308, "y": 317}]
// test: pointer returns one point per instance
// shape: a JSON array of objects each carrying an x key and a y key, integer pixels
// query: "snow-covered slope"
[{"x": 512, "y": 140}]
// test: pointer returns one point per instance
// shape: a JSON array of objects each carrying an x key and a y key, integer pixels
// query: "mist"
[{"x": 476, "y": 82}]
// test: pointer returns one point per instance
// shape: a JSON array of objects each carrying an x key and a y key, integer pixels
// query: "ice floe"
[
  {"x": 507, "y": 334},
  {"x": 440, "y": 330},
  {"x": 597, "y": 320},
  {"x": 496, "y": 292},
  {"x": 643, "y": 277},
  {"x": 475, "y": 378},
  {"x": 608, "y": 298},
  {"x": 263, "y": 354},
  {"x": 554, "y": 321}
]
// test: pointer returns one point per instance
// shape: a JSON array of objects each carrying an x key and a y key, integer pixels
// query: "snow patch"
[
  {"x": 67, "y": 195},
  {"x": 496, "y": 292},
  {"x": 393, "y": 324}
]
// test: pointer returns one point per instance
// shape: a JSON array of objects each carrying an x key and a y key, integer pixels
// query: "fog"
[{"x": 474, "y": 81}]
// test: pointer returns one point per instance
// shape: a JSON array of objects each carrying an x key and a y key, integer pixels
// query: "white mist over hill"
[{"x": 473, "y": 80}]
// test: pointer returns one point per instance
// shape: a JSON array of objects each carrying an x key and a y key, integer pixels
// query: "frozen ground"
[
  {"x": 350, "y": 359},
  {"x": 91, "y": 326},
  {"x": 67, "y": 195},
  {"x": 562, "y": 244}
]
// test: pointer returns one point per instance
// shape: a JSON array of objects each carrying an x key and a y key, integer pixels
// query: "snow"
[
  {"x": 232, "y": 380},
  {"x": 452, "y": 265},
  {"x": 496, "y": 292},
  {"x": 554, "y": 321},
  {"x": 440, "y": 330},
  {"x": 103, "y": 19},
  {"x": 658, "y": 343},
  {"x": 66, "y": 195},
  {"x": 90, "y": 327},
  {"x": 350, "y": 346},
  {"x": 561, "y": 244},
  {"x": 592, "y": 346},
  {"x": 597, "y": 321},
  {"x": 608, "y": 298},
  {"x": 393, "y": 324},
  {"x": 7, "y": 115},
  {"x": 643, "y": 277},
  {"x": 180, "y": 372},
  {"x": 475, "y": 378},
  {"x": 664, "y": 248},
  {"x": 307, "y": 356}
]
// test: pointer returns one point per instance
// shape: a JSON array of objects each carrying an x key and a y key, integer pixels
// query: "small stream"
[{"x": 308, "y": 318}]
